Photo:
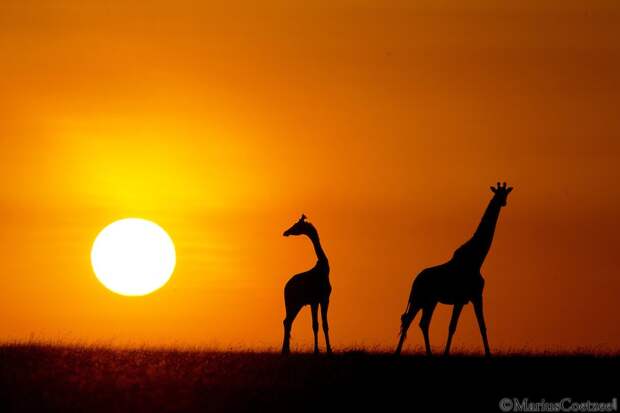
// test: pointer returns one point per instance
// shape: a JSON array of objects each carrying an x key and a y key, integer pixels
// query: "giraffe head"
[
  {"x": 501, "y": 192},
  {"x": 301, "y": 227}
]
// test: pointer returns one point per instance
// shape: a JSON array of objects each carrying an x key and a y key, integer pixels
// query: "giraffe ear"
[
  {"x": 303, "y": 217},
  {"x": 493, "y": 189},
  {"x": 509, "y": 190}
]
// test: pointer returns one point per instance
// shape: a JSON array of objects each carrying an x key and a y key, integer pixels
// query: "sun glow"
[{"x": 133, "y": 257}]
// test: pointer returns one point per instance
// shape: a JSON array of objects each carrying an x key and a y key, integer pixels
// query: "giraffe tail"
[
  {"x": 413, "y": 306},
  {"x": 405, "y": 319}
]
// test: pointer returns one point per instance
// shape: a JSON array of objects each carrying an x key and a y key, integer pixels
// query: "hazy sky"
[{"x": 386, "y": 125}]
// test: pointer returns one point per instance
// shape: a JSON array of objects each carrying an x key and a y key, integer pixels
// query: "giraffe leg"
[
  {"x": 405, "y": 322},
  {"x": 324, "y": 307},
  {"x": 425, "y": 322},
  {"x": 315, "y": 326},
  {"x": 291, "y": 313},
  {"x": 456, "y": 312},
  {"x": 483, "y": 328}
]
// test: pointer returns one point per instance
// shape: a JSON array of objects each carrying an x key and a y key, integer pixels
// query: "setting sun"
[{"x": 133, "y": 257}]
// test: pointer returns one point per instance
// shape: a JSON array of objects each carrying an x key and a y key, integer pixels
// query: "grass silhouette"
[{"x": 44, "y": 377}]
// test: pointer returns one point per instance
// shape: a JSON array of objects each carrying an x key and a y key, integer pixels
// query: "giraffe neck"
[
  {"x": 483, "y": 237},
  {"x": 318, "y": 249}
]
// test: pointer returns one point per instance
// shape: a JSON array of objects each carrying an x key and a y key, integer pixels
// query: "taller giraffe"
[
  {"x": 311, "y": 287},
  {"x": 456, "y": 282}
]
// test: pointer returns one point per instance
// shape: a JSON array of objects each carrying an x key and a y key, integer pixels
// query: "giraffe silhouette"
[
  {"x": 456, "y": 282},
  {"x": 308, "y": 288}
]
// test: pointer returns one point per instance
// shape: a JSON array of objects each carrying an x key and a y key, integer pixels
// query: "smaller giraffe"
[
  {"x": 308, "y": 288},
  {"x": 456, "y": 282}
]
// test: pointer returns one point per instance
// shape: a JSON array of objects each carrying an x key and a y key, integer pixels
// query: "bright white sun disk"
[{"x": 133, "y": 256}]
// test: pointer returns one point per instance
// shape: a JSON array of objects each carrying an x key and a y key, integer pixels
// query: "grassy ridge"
[{"x": 72, "y": 379}]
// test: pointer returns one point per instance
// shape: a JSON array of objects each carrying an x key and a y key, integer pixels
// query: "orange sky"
[{"x": 385, "y": 125}]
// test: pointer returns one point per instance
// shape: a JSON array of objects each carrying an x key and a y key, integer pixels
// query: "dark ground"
[{"x": 88, "y": 379}]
